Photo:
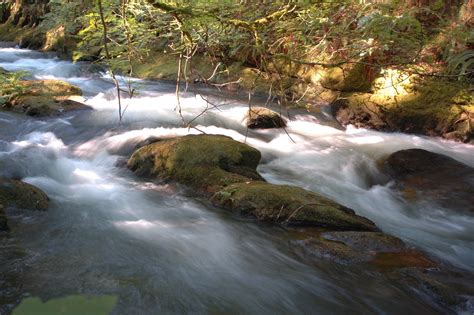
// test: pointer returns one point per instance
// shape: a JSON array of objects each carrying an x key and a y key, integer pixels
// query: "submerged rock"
[
  {"x": 433, "y": 176},
  {"x": 289, "y": 204},
  {"x": 15, "y": 193},
  {"x": 350, "y": 246},
  {"x": 40, "y": 98},
  {"x": 207, "y": 163},
  {"x": 3, "y": 219},
  {"x": 264, "y": 118}
]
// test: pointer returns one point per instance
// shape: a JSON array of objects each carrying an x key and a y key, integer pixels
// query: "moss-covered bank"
[{"x": 427, "y": 107}]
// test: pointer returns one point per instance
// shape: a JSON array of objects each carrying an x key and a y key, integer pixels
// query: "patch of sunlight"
[
  {"x": 366, "y": 140},
  {"x": 393, "y": 82},
  {"x": 86, "y": 174},
  {"x": 71, "y": 305}
]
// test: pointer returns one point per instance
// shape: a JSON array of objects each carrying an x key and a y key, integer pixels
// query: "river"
[{"x": 159, "y": 250}]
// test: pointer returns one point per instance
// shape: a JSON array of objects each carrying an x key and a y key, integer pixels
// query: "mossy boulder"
[
  {"x": 432, "y": 176},
  {"x": 206, "y": 163},
  {"x": 263, "y": 118},
  {"x": 15, "y": 193},
  {"x": 41, "y": 98},
  {"x": 289, "y": 204},
  {"x": 433, "y": 108}
]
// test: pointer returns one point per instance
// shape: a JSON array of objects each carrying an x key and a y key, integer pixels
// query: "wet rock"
[
  {"x": 350, "y": 246},
  {"x": 289, "y": 205},
  {"x": 403, "y": 259},
  {"x": 3, "y": 220},
  {"x": 369, "y": 242},
  {"x": 15, "y": 193},
  {"x": 450, "y": 291},
  {"x": 11, "y": 274},
  {"x": 207, "y": 163},
  {"x": 7, "y": 45},
  {"x": 264, "y": 118},
  {"x": 40, "y": 98},
  {"x": 219, "y": 165},
  {"x": 420, "y": 173}
]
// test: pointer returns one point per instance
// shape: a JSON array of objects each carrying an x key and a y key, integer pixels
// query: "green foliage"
[
  {"x": 10, "y": 85},
  {"x": 461, "y": 64},
  {"x": 259, "y": 35}
]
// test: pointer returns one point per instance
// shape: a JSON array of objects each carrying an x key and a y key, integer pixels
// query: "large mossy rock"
[
  {"x": 205, "y": 162},
  {"x": 433, "y": 176},
  {"x": 263, "y": 118},
  {"x": 289, "y": 204},
  {"x": 41, "y": 98},
  {"x": 434, "y": 108},
  {"x": 15, "y": 193}
]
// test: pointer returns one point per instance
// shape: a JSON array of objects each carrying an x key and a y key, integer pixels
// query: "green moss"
[
  {"x": 289, "y": 204},
  {"x": 71, "y": 305},
  {"x": 45, "y": 98},
  {"x": 14, "y": 193},
  {"x": 204, "y": 162},
  {"x": 433, "y": 107},
  {"x": 349, "y": 78},
  {"x": 157, "y": 66},
  {"x": 27, "y": 36}
]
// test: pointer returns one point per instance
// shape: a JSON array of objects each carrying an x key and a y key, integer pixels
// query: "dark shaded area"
[{"x": 434, "y": 176}]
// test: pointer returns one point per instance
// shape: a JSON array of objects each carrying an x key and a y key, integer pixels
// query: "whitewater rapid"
[{"x": 159, "y": 250}]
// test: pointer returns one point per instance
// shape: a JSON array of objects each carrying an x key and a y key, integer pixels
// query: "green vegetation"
[
  {"x": 15, "y": 193},
  {"x": 289, "y": 204},
  {"x": 300, "y": 52},
  {"x": 71, "y": 305},
  {"x": 10, "y": 86},
  {"x": 37, "y": 97}
]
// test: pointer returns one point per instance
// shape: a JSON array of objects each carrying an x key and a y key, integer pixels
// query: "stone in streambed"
[
  {"x": 289, "y": 204},
  {"x": 225, "y": 169},
  {"x": 15, "y": 193},
  {"x": 433, "y": 176},
  {"x": 350, "y": 246},
  {"x": 206, "y": 163},
  {"x": 263, "y": 118}
]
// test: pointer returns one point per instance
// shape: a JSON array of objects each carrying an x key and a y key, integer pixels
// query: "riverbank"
[{"x": 362, "y": 93}]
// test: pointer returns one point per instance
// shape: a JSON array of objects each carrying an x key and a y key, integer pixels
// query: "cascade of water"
[{"x": 161, "y": 251}]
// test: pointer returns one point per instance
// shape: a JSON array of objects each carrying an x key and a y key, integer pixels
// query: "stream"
[{"x": 160, "y": 250}]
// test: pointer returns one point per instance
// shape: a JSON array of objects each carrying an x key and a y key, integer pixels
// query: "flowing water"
[{"x": 159, "y": 250}]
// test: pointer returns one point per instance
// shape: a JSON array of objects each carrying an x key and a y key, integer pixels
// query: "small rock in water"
[{"x": 264, "y": 118}]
